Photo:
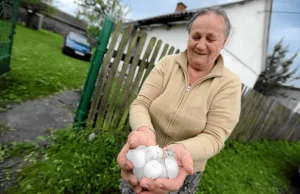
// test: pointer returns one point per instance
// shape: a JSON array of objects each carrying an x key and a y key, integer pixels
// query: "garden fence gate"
[{"x": 8, "y": 18}]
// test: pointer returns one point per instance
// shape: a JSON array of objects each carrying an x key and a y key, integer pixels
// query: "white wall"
[{"x": 246, "y": 49}]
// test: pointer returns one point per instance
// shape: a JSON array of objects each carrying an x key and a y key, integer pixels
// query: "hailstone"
[
  {"x": 172, "y": 167},
  {"x": 164, "y": 174},
  {"x": 137, "y": 157},
  {"x": 153, "y": 153},
  {"x": 139, "y": 172},
  {"x": 142, "y": 147},
  {"x": 153, "y": 169},
  {"x": 151, "y": 163}
]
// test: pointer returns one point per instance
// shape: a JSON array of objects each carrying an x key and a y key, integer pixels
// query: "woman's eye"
[
  {"x": 196, "y": 37},
  {"x": 211, "y": 40}
]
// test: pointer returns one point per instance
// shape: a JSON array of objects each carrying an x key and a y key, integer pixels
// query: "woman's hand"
[
  {"x": 164, "y": 186},
  {"x": 143, "y": 136}
]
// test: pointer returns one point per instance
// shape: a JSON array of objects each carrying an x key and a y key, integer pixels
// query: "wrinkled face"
[{"x": 206, "y": 39}]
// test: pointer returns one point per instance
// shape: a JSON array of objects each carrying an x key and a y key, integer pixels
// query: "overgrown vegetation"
[
  {"x": 38, "y": 67},
  {"x": 75, "y": 165}
]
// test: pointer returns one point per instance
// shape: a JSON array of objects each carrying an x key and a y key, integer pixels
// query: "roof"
[{"x": 180, "y": 16}]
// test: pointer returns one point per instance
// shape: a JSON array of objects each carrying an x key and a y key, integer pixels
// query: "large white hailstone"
[
  {"x": 139, "y": 172},
  {"x": 142, "y": 147},
  {"x": 137, "y": 157},
  {"x": 153, "y": 153},
  {"x": 172, "y": 167},
  {"x": 164, "y": 173},
  {"x": 153, "y": 169}
]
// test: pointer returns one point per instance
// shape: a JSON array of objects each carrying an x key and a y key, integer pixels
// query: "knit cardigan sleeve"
[
  {"x": 222, "y": 117},
  {"x": 152, "y": 87}
]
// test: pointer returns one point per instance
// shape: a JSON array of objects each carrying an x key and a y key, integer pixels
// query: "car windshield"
[{"x": 79, "y": 38}]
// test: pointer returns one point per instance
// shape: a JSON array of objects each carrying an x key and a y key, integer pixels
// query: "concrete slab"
[{"x": 32, "y": 118}]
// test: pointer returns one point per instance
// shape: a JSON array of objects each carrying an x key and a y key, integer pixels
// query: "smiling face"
[{"x": 206, "y": 39}]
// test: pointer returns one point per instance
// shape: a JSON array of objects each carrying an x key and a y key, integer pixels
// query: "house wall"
[{"x": 245, "y": 52}]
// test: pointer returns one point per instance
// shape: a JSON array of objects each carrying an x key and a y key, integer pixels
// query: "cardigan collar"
[{"x": 217, "y": 70}]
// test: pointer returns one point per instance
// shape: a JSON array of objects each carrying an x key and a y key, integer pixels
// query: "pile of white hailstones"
[{"x": 149, "y": 162}]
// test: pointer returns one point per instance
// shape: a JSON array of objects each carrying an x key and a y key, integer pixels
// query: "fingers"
[
  {"x": 132, "y": 180},
  {"x": 129, "y": 178},
  {"x": 184, "y": 158},
  {"x": 137, "y": 188},
  {"x": 156, "y": 192},
  {"x": 148, "y": 184},
  {"x": 187, "y": 162},
  {"x": 122, "y": 160},
  {"x": 137, "y": 138},
  {"x": 172, "y": 184}
]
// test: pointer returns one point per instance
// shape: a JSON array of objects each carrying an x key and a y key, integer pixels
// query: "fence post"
[
  {"x": 102, "y": 42},
  {"x": 14, "y": 21}
]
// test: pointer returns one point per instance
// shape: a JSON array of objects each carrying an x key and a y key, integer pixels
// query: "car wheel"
[{"x": 63, "y": 50}]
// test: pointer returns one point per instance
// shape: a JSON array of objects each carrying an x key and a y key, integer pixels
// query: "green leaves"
[{"x": 94, "y": 11}]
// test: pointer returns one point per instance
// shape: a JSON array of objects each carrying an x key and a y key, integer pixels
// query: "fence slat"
[
  {"x": 251, "y": 117},
  {"x": 136, "y": 84},
  {"x": 129, "y": 80},
  {"x": 259, "y": 117},
  {"x": 111, "y": 77},
  {"x": 153, "y": 58},
  {"x": 164, "y": 51},
  {"x": 237, "y": 132},
  {"x": 264, "y": 116},
  {"x": 121, "y": 78},
  {"x": 171, "y": 51},
  {"x": 102, "y": 76}
]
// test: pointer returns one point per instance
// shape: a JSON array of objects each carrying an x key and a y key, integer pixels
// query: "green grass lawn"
[
  {"x": 75, "y": 165},
  {"x": 38, "y": 67}
]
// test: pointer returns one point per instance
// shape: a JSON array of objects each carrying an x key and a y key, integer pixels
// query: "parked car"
[{"x": 77, "y": 45}]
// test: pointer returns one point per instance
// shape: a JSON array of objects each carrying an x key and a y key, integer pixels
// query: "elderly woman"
[{"x": 190, "y": 102}]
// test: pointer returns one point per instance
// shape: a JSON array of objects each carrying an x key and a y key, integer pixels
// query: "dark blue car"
[{"x": 77, "y": 45}]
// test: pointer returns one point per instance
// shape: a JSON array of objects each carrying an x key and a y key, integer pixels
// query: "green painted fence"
[
  {"x": 117, "y": 86},
  {"x": 8, "y": 17}
]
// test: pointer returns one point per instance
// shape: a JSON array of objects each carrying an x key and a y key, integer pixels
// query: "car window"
[{"x": 79, "y": 38}]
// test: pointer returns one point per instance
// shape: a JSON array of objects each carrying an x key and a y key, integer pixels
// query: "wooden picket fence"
[
  {"x": 113, "y": 94},
  {"x": 265, "y": 118},
  {"x": 261, "y": 117}
]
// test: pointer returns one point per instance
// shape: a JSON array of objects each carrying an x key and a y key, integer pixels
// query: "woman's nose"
[{"x": 201, "y": 45}]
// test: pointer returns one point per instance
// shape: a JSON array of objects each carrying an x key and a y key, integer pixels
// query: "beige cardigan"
[{"x": 200, "y": 116}]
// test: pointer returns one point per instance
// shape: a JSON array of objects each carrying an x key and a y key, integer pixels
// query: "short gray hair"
[{"x": 215, "y": 10}]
